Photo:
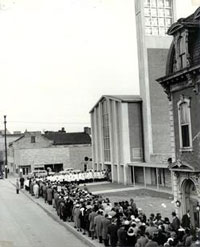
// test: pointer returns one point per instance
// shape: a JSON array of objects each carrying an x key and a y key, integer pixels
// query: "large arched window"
[{"x": 185, "y": 130}]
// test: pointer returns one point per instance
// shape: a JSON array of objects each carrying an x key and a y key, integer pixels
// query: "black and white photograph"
[{"x": 100, "y": 123}]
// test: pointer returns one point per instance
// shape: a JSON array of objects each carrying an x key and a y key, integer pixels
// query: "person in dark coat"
[
  {"x": 21, "y": 182},
  {"x": 92, "y": 215},
  {"x": 98, "y": 225},
  {"x": 49, "y": 195},
  {"x": 44, "y": 189},
  {"x": 105, "y": 223},
  {"x": 131, "y": 235},
  {"x": 151, "y": 242},
  {"x": 62, "y": 210},
  {"x": 112, "y": 232},
  {"x": 175, "y": 222},
  {"x": 87, "y": 222},
  {"x": 17, "y": 186},
  {"x": 185, "y": 222},
  {"x": 122, "y": 235}
]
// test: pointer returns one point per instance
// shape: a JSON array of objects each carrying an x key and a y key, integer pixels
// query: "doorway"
[{"x": 190, "y": 201}]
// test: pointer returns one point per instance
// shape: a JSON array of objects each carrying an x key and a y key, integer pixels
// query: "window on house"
[
  {"x": 181, "y": 52},
  {"x": 185, "y": 124},
  {"x": 32, "y": 139}
]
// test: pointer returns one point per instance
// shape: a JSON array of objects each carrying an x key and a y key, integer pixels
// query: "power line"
[{"x": 29, "y": 122}]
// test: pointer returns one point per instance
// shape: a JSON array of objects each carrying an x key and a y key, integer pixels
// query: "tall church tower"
[{"x": 153, "y": 18}]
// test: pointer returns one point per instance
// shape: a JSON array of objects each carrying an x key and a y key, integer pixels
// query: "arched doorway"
[{"x": 190, "y": 200}]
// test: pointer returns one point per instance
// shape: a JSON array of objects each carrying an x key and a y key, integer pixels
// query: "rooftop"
[
  {"x": 63, "y": 138},
  {"x": 120, "y": 98}
]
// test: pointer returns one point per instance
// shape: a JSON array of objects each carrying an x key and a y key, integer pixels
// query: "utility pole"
[{"x": 6, "y": 155}]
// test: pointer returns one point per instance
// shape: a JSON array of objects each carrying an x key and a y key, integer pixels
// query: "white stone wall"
[
  {"x": 42, "y": 152},
  {"x": 42, "y": 156},
  {"x": 77, "y": 155}
]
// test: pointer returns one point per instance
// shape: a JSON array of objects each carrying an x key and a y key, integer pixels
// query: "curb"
[{"x": 68, "y": 227}]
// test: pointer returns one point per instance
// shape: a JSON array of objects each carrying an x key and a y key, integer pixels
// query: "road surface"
[{"x": 24, "y": 224}]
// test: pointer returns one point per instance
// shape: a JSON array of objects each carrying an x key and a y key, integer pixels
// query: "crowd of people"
[{"x": 118, "y": 224}]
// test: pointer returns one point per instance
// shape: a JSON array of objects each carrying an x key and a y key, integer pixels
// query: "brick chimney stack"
[{"x": 87, "y": 130}]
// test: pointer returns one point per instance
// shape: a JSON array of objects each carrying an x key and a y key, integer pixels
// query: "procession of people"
[{"x": 119, "y": 224}]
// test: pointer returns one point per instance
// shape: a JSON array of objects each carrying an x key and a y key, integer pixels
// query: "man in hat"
[
  {"x": 175, "y": 222},
  {"x": 112, "y": 232},
  {"x": 122, "y": 233},
  {"x": 106, "y": 221},
  {"x": 91, "y": 220},
  {"x": 17, "y": 186},
  {"x": 185, "y": 222},
  {"x": 98, "y": 224}
]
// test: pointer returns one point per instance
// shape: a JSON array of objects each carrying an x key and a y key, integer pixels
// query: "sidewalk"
[{"x": 69, "y": 226}]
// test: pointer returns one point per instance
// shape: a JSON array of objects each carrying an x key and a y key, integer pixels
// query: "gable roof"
[
  {"x": 11, "y": 143},
  {"x": 119, "y": 98},
  {"x": 63, "y": 138}
]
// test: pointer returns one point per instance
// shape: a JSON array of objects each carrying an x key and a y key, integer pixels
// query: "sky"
[{"x": 58, "y": 57}]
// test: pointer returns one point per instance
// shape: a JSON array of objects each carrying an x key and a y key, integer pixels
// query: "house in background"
[
  {"x": 10, "y": 137},
  {"x": 181, "y": 83},
  {"x": 56, "y": 150}
]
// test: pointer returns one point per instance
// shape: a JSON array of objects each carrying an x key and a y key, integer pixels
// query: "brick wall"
[
  {"x": 135, "y": 131},
  {"x": 189, "y": 157},
  {"x": 159, "y": 102},
  {"x": 42, "y": 156}
]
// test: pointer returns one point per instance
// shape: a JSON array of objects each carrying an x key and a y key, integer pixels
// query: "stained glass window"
[
  {"x": 147, "y": 12},
  {"x": 158, "y": 16},
  {"x": 160, "y": 3},
  {"x": 161, "y": 22},
  {"x": 154, "y": 22},
  {"x": 147, "y": 21},
  {"x": 146, "y": 2}
]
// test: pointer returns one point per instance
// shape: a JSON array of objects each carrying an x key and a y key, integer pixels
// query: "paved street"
[{"x": 24, "y": 224}]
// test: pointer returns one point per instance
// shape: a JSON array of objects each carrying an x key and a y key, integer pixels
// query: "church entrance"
[{"x": 190, "y": 202}]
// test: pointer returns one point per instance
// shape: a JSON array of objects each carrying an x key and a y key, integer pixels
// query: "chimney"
[
  {"x": 17, "y": 132},
  {"x": 87, "y": 130}
]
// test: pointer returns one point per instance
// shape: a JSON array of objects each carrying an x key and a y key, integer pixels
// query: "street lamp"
[
  {"x": 178, "y": 203},
  {"x": 198, "y": 209},
  {"x": 5, "y": 140}
]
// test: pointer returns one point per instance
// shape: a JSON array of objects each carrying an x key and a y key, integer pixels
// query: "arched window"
[{"x": 185, "y": 131}]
